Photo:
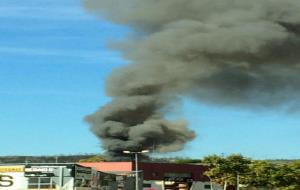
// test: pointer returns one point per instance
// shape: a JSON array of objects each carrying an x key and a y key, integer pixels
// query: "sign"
[
  {"x": 8, "y": 169},
  {"x": 12, "y": 178},
  {"x": 178, "y": 179},
  {"x": 41, "y": 171}
]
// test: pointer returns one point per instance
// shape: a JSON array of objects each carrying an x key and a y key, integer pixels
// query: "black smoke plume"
[{"x": 229, "y": 52}]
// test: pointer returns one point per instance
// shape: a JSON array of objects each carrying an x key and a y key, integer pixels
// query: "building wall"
[
  {"x": 152, "y": 171},
  {"x": 162, "y": 171},
  {"x": 205, "y": 186},
  {"x": 47, "y": 176},
  {"x": 12, "y": 178}
]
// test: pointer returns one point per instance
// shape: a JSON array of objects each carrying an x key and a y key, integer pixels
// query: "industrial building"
[
  {"x": 161, "y": 176},
  {"x": 104, "y": 176}
]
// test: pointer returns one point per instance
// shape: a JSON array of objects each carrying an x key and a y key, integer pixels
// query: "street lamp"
[
  {"x": 136, "y": 165},
  {"x": 237, "y": 181}
]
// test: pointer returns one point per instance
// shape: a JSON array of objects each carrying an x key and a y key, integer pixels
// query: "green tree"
[
  {"x": 274, "y": 176},
  {"x": 260, "y": 174},
  {"x": 295, "y": 166},
  {"x": 225, "y": 170},
  {"x": 253, "y": 174},
  {"x": 287, "y": 176},
  {"x": 217, "y": 171}
]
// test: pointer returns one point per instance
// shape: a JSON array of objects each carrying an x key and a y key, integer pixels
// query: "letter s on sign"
[{"x": 6, "y": 181}]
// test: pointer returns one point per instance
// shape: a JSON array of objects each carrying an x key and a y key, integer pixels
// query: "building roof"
[{"x": 109, "y": 166}]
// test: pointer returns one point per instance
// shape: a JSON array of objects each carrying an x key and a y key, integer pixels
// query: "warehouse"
[{"x": 161, "y": 176}]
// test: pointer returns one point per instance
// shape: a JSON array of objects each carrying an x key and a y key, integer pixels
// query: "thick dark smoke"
[{"x": 229, "y": 52}]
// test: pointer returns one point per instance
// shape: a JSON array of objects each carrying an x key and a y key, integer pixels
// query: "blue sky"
[{"x": 53, "y": 62}]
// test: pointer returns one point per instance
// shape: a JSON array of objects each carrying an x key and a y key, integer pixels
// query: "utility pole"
[
  {"x": 237, "y": 181},
  {"x": 136, "y": 172},
  {"x": 136, "y": 165}
]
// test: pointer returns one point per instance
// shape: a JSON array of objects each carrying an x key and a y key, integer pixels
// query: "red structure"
[
  {"x": 170, "y": 171},
  {"x": 178, "y": 173},
  {"x": 155, "y": 171},
  {"x": 110, "y": 166}
]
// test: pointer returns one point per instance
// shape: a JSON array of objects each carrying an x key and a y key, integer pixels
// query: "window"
[
  {"x": 147, "y": 185},
  {"x": 207, "y": 187},
  {"x": 40, "y": 183}
]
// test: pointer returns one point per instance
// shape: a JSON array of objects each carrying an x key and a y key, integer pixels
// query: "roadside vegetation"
[{"x": 252, "y": 174}]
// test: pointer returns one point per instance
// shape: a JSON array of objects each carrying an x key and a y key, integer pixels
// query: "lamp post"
[
  {"x": 136, "y": 165},
  {"x": 237, "y": 181}
]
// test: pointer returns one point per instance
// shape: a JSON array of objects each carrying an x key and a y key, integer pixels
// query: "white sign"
[
  {"x": 40, "y": 169},
  {"x": 12, "y": 178}
]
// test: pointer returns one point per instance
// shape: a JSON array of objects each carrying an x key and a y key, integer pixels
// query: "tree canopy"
[{"x": 253, "y": 174}]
